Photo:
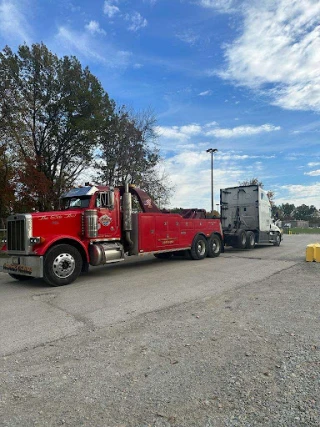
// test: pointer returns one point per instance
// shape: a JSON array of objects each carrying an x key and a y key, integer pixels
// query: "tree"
[
  {"x": 55, "y": 116},
  {"x": 50, "y": 111},
  {"x": 129, "y": 153},
  {"x": 252, "y": 181},
  {"x": 255, "y": 181},
  {"x": 304, "y": 212},
  {"x": 287, "y": 210},
  {"x": 7, "y": 187}
]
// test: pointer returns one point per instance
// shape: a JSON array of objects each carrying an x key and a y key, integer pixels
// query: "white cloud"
[
  {"x": 300, "y": 194},
  {"x": 190, "y": 173},
  {"x": 137, "y": 21},
  {"x": 180, "y": 133},
  {"x": 75, "y": 41},
  {"x": 13, "y": 23},
  {"x": 313, "y": 164},
  {"x": 211, "y": 124},
  {"x": 313, "y": 173},
  {"x": 188, "y": 165},
  {"x": 94, "y": 27},
  {"x": 223, "y": 6},
  {"x": 86, "y": 46},
  {"x": 280, "y": 46},
  {"x": 190, "y": 169},
  {"x": 189, "y": 37},
  {"x": 110, "y": 9},
  {"x": 242, "y": 131},
  {"x": 205, "y": 93},
  {"x": 172, "y": 138},
  {"x": 311, "y": 127}
]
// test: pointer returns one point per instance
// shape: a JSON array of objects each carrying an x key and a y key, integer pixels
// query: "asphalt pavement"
[{"x": 231, "y": 341}]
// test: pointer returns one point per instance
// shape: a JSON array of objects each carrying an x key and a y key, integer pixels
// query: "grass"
[{"x": 298, "y": 230}]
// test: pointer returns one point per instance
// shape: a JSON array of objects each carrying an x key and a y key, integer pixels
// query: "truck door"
[
  {"x": 108, "y": 216},
  {"x": 264, "y": 211}
]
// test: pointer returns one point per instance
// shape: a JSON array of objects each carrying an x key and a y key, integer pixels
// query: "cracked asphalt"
[{"x": 232, "y": 341}]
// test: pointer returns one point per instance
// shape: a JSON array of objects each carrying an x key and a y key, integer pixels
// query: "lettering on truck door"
[{"x": 108, "y": 220}]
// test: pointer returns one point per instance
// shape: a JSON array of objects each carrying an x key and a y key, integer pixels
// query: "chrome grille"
[
  {"x": 19, "y": 229},
  {"x": 16, "y": 235}
]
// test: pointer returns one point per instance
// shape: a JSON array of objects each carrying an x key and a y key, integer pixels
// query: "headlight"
[{"x": 36, "y": 240}]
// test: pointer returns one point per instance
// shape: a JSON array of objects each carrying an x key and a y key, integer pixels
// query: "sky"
[{"x": 239, "y": 76}]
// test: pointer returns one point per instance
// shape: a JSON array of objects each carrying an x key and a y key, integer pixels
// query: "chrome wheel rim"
[
  {"x": 63, "y": 265},
  {"x": 201, "y": 247},
  {"x": 215, "y": 246}
]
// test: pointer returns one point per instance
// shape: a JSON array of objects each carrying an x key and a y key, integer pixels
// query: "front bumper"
[{"x": 23, "y": 265}]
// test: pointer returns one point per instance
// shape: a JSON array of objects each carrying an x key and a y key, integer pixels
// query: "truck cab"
[{"x": 246, "y": 217}]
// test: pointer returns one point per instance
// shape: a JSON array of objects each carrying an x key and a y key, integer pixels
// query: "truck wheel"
[
  {"x": 199, "y": 248},
  {"x": 214, "y": 246},
  {"x": 20, "y": 278},
  {"x": 241, "y": 239},
  {"x": 250, "y": 243},
  {"x": 277, "y": 240},
  {"x": 62, "y": 265}
]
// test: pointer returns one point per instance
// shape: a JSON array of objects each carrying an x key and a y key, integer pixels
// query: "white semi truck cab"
[{"x": 246, "y": 217}]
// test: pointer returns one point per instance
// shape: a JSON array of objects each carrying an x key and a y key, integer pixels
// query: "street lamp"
[{"x": 212, "y": 150}]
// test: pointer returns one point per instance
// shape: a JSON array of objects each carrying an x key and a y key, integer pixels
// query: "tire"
[
  {"x": 214, "y": 246},
  {"x": 164, "y": 255},
  {"x": 277, "y": 240},
  {"x": 199, "y": 248},
  {"x": 241, "y": 239},
  {"x": 20, "y": 278},
  {"x": 250, "y": 243},
  {"x": 62, "y": 265}
]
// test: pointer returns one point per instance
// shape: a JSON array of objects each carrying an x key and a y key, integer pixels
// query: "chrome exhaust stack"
[{"x": 127, "y": 213}]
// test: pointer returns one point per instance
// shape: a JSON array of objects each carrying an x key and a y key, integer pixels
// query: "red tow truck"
[{"x": 97, "y": 225}]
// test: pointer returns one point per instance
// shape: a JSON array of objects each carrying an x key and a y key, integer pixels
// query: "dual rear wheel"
[
  {"x": 244, "y": 239},
  {"x": 203, "y": 247}
]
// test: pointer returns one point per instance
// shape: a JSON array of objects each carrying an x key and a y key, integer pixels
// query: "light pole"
[{"x": 212, "y": 150}]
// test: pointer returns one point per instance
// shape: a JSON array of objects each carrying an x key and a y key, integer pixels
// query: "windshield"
[{"x": 75, "y": 202}]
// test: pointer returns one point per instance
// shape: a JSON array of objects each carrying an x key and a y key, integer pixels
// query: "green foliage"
[
  {"x": 55, "y": 116},
  {"x": 287, "y": 210},
  {"x": 50, "y": 110},
  {"x": 7, "y": 174},
  {"x": 304, "y": 212},
  {"x": 252, "y": 181},
  {"x": 129, "y": 154}
]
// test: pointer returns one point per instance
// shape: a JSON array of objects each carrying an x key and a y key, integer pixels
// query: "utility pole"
[{"x": 212, "y": 150}]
